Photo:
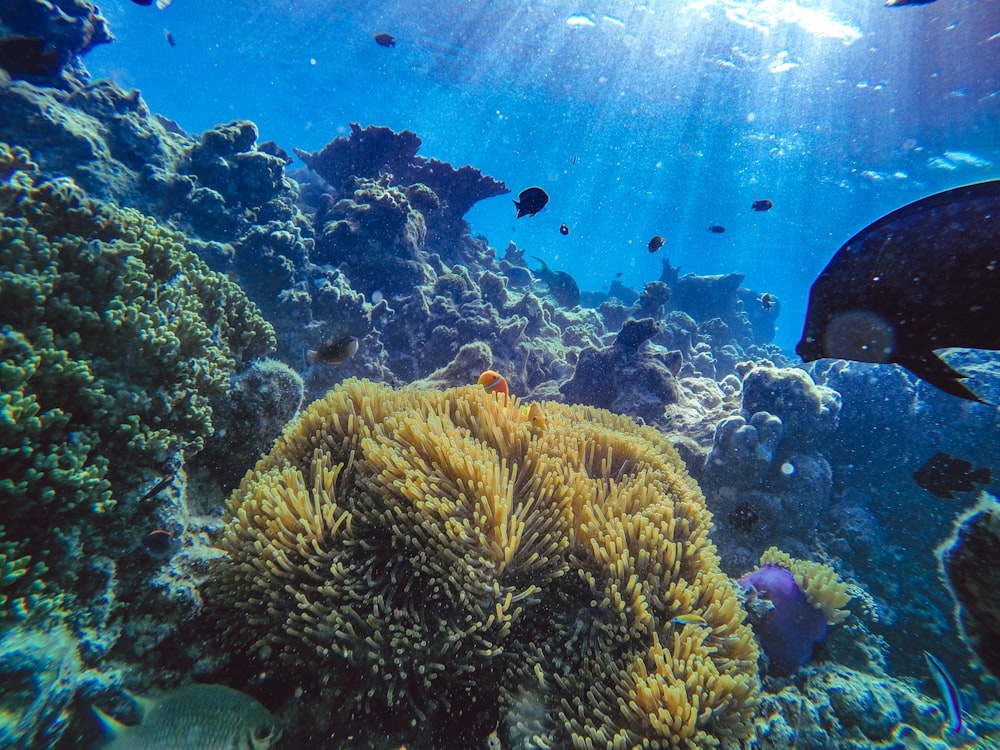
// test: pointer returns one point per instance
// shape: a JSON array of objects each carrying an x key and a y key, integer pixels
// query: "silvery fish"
[{"x": 196, "y": 717}]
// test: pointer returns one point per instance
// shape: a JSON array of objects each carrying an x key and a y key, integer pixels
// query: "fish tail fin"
[
  {"x": 982, "y": 476},
  {"x": 930, "y": 367},
  {"x": 545, "y": 266}
]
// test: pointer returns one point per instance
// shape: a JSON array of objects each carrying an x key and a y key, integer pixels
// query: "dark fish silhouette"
[
  {"x": 334, "y": 351},
  {"x": 716, "y": 229},
  {"x": 29, "y": 56},
  {"x": 160, "y": 544},
  {"x": 561, "y": 285},
  {"x": 533, "y": 200},
  {"x": 563, "y": 230},
  {"x": 170, "y": 38},
  {"x": 762, "y": 205},
  {"x": 656, "y": 243},
  {"x": 157, "y": 488},
  {"x": 143, "y": 2},
  {"x": 922, "y": 278},
  {"x": 385, "y": 40},
  {"x": 767, "y": 301},
  {"x": 944, "y": 475}
]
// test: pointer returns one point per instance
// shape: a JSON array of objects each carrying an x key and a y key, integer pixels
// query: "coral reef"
[
  {"x": 52, "y": 38},
  {"x": 968, "y": 567},
  {"x": 376, "y": 234},
  {"x": 831, "y": 706},
  {"x": 39, "y": 671},
  {"x": 377, "y": 151},
  {"x": 623, "y": 377},
  {"x": 102, "y": 137},
  {"x": 766, "y": 477},
  {"x": 261, "y": 400},
  {"x": 117, "y": 341},
  {"x": 435, "y": 548}
]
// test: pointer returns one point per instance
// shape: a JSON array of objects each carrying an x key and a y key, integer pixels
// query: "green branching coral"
[
  {"x": 113, "y": 340},
  {"x": 430, "y": 562}
]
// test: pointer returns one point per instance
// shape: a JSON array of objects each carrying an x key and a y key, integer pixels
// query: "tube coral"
[{"x": 418, "y": 551}]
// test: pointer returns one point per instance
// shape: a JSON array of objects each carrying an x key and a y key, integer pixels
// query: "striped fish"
[{"x": 952, "y": 697}]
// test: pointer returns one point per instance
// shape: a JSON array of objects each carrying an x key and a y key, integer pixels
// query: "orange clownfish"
[
  {"x": 494, "y": 382},
  {"x": 536, "y": 416}
]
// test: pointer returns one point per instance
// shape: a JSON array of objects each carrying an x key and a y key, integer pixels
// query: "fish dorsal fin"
[
  {"x": 937, "y": 372},
  {"x": 110, "y": 726},
  {"x": 544, "y": 273}
]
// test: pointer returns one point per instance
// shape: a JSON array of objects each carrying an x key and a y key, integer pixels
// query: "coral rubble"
[{"x": 432, "y": 549}]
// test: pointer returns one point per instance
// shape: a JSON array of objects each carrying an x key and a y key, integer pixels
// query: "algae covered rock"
[
  {"x": 969, "y": 568},
  {"x": 440, "y": 561}
]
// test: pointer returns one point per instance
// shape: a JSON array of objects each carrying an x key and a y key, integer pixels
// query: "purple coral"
[{"x": 791, "y": 628}]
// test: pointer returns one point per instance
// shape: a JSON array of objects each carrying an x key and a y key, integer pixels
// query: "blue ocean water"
[{"x": 637, "y": 118}]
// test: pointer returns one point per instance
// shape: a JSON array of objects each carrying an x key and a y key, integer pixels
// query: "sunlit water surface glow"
[{"x": 638, "y": 119}]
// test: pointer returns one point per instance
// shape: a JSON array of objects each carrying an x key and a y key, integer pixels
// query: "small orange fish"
[
  {"x": 494, "y": 382},
  {"x": 536, "y": 416}
]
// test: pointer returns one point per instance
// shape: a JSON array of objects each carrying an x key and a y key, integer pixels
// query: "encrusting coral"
[{"x": 420, "y": 551}]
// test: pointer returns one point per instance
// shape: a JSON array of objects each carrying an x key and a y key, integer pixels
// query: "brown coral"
[{"x": 425, "y": 549}]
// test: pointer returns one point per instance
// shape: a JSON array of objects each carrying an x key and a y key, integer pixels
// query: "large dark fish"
[
  {"x": 385, "y": 40},
  {"x": 562, "y": 286},
  {"x": 532, "y": 201},
  {"x": 922, "y": 278},
  {"x": 943, "y": 475}
]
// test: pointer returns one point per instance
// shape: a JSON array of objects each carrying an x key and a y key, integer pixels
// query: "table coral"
[
  {"x": 410, "y": 552},
  {"x": 373, "y": 151},
  {"x": 115, "y": 339}
]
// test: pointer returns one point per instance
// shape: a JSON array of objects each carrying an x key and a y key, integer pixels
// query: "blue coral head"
[{"x": 789, "y": 631}]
